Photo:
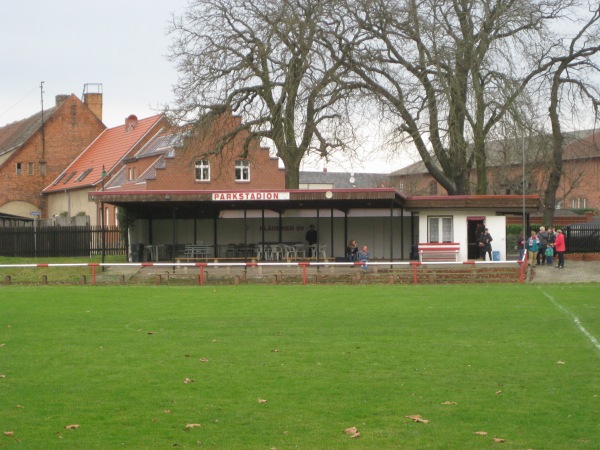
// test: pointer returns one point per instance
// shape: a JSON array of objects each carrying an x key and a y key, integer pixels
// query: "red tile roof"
[{"x": 107, "y": 151}]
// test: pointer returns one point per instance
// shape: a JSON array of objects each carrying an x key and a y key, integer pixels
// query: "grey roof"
[
  {"x": 16, "y": 134},
  {"x": 507, "y": 152},
  {"x": 341, "y": 180}
]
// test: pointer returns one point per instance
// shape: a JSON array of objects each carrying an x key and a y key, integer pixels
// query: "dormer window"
[{"x": 131, "y": 174}]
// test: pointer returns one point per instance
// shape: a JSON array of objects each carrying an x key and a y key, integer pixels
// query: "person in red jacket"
[{"x": 559, "y": 246}]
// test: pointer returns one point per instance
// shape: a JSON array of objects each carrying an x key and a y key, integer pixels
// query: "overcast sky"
[{"x": 121, "y": 44}]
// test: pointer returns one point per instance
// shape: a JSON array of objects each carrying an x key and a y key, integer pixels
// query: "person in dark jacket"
[
  {"x": 543, "y": 238},
  {"x": 486, "y": 239}
]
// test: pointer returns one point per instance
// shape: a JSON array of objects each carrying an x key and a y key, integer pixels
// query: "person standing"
[
  {"x": 312, "y": 238},
  {"x": 543, "y": 238},
  {"x": 560, "y": 247},
  {"x": 363, "y": 256},
  {"x": 533, "y": 245},
  {"x": 486, "y": 239},
  {"x": 479, "y": 230}
]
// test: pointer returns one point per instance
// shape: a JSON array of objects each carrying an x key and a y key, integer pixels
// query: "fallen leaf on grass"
[
  {"x": 2, "y": 375},
  {"x": 189, "y": 426},
  {"x": 353, "y": 432},
  {"x": 417, "y": 418},
  {"x": 262, "y": 400},
  {"x": 188, "y": 381},
  {"x": 167, "y": 411},
  {"x": 203, "y": 360},
  {"x": 498, "y": 392},
  {"x": 72, "y": 427},
  {"x": 499, "y": 440},
  {"x": 275, "y": 350},
  {"x": 9, "y": 433},
  {"x": 560, "y": 362},
  {"x": 151, "y": 332},
  {"x": 481, "y": 433},
  {"x": 449, "y": 403}
]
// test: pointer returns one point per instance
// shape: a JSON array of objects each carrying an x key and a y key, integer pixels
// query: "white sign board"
[{"x": 237, "y": 196}]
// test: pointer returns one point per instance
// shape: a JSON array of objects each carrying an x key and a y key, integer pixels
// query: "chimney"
[
  {"x": 93, "y": 100},
  {"x": 131, "y": 122},
  {"x": 60, "y": 99},
  {"x": 324, "y": 169}
]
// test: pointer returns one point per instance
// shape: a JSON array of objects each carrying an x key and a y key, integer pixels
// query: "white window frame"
[
  {"x": 437, "y": 225},
  {"x": 242, "y": 170},
  {"x": 202, "y": 169}
]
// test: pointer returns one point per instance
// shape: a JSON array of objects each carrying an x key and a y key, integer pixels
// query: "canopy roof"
[{"x": 204, "y": 204}]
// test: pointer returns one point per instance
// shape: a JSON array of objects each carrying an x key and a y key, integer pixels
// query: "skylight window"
[
  {"x": 62, "y": 175},
  {"x": 71, "y": 175},
  {"x": 84, "y": 174}
]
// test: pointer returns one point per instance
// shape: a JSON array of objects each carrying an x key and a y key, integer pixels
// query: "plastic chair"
[
  {"x": 275, "y": 252},
  {"x": 322, "y": 251},
  {"x": 290, "y": 252},
  {"x": 300, "y": 250}
]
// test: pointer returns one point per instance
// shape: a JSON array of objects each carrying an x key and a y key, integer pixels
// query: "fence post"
[
  {"x": 303, "y": 265},
  {"x": 415, "y": 264},
  {"x": 7, "y": 279},
  {"x": 44, "y": 279},
  {"x": 93, "y": 266}
]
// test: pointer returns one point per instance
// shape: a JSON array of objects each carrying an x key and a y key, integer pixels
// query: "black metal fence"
[
  {"x": 582, "y": 238},
  {"x": 44, "y": 242}
]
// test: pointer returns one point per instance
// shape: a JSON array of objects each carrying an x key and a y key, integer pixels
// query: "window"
[
  {"x": 433, "y": 187},
  {"x": 84, "y": 174},
  {"x": 203, "y": 170},
  {"x": 242, "y": 170},
  {"x": 19, "y": 170},
  {"x": 440, "y": 229},
  {"x": 71, "y": 175},
  {"x": 131, "y": 174},
  {"x": 30, "y": 168},
  {"x": 42, "y": 168}
]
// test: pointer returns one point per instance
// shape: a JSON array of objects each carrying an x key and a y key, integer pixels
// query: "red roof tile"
[{"x": 107, "y": 151}]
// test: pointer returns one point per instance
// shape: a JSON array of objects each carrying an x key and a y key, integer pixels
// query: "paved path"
[{"x": 574, "y": 272}]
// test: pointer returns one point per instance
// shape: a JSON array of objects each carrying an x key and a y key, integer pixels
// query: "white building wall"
[
  {"x": 73, "y": 202},
  {"x": 496, "y": 226}
]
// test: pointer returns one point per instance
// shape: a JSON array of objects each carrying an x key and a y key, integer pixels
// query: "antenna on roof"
[{"x": 43, "y": 131}]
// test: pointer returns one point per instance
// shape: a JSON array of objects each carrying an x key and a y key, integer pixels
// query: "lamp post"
[
  {"x": 523, "y": 157},
  {"x": 103, "y": 175}
]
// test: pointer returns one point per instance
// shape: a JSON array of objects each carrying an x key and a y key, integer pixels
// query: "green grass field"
[{"x": 134, "y": 366}]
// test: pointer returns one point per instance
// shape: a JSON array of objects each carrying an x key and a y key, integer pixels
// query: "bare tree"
[
  {"x": 263, "y": 61},
  {"x": 446, "y": 71},
  {"x": 570, "y": 88}
]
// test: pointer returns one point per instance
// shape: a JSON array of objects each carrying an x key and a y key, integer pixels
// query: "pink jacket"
[{"x": 559, "y": 244}]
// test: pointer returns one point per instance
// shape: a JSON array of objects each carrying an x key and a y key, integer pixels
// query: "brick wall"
[
  {"x": 180, "y": 172},
  {"x": 70, "y": 129}
]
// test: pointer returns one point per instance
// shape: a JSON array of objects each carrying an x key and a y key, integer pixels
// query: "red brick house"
[
  {"x": 95, "y": 165},
  {"x": 34, "y": 151},
  {"x": 178, "y": 159},
  {"x": 580, "y": 181}
]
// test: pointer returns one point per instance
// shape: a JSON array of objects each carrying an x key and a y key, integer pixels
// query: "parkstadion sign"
[{"x": 229, "y": 196}]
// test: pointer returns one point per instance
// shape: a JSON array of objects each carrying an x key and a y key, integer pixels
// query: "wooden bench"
[{"x": 439, "y": 251}]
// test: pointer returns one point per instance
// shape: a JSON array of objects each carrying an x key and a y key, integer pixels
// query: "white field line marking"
[{"x": 558, "y": 306}]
